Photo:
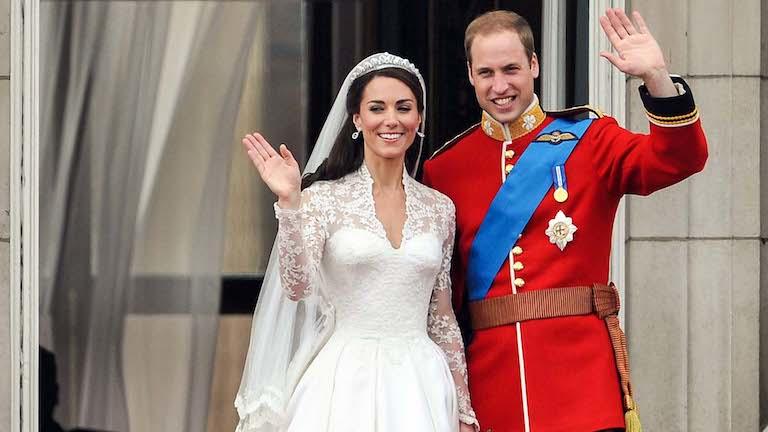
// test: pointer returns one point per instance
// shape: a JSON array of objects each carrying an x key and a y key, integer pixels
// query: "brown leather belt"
[
  {"x": 599, "y": 299},
  {"x": 602, "y": 300}
]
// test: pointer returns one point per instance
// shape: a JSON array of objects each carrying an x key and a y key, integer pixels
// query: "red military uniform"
[{"x": 558, "y": 374}]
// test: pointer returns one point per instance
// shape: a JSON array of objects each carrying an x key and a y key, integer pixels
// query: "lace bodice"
[{"x": 335, "y": 245}]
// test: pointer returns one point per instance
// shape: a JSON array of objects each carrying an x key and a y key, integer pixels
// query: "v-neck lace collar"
[{"x": 365, "y": 176}]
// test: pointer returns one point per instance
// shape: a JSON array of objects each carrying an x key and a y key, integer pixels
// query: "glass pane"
[{"x": 148, "y": 202}]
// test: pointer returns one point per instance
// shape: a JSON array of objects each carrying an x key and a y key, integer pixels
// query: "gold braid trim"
[{"x": 673, "y": 121}]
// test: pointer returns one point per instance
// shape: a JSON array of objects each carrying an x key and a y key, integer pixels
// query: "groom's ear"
[
  {"x": 534, "y": 65},
  {"x": 469, "y": 74}
]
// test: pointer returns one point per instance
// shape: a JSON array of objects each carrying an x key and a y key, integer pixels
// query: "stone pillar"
[
  {"x": 762, "y": 180},
  {"x": 5, "y": 219},
  {"x": 694, "y": 250}
]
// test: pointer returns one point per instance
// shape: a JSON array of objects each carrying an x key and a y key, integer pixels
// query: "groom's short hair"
[{"x": 498, "y": 21}]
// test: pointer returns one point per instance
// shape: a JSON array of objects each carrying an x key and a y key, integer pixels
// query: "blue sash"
[{"x": 516, "y": 200}]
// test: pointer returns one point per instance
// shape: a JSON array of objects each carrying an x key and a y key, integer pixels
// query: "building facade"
[{"x": 693, "y": 257}]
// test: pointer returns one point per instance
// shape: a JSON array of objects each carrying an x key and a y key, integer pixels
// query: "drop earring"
[
  {"x": 420, "y": 134},
  {"x": 355, "y": 134}
]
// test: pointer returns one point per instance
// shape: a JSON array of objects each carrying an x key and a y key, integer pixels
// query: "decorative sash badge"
[
  {"x": 561, "y": 230},
  {"x": 555, "y": 137}
]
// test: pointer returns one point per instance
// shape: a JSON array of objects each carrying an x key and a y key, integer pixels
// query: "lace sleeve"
[
  {"x": 444, "y": 330},
  {"x": 301, "y": 235}
]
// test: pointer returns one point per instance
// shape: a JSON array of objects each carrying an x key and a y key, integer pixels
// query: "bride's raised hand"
[{"x": 280, "y": 171}]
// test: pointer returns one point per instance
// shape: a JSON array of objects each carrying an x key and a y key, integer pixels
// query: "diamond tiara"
[{"x": 381, "y": 61}]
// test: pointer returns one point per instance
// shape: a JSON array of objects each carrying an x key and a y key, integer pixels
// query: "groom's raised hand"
[{"x": 636, "y": 51}]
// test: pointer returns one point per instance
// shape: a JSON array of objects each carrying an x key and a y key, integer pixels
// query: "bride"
[{"x": 354, "y": 329}]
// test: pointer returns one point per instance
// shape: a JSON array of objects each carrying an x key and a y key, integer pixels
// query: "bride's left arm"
[{"x": 444, "y": 330}]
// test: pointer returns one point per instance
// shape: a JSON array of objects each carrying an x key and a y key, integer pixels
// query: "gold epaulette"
[
  {"x": 574, "y": 111},
  {"x": 454, "y": 140}
]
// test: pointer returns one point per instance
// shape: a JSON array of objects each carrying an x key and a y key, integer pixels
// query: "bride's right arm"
[
  {"x": 301, "y": 231},
  {"x": 300, "y": 241}
]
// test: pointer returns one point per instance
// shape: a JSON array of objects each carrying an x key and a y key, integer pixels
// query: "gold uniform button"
[
  {"x": 508, "y": 168},
  {"x": 517, "y": 250},
  {"x": 519, "y": 282},
  {"x": 509, "y": 153},
  {"x": 517, "y": 266}
]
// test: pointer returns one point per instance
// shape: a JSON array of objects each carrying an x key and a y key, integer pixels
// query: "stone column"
[
  {"x": 5, "y": 220},
  {"x": 762, "y": 180},
  {"x": 694, "y": 250}
]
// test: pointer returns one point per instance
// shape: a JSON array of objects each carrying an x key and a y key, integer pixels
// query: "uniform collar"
[{"x": 528, "y": 121}]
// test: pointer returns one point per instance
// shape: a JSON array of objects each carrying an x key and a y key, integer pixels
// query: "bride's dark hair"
[{"x": 346, "y": 155}]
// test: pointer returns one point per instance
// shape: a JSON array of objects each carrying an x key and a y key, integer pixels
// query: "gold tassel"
[
  {"x": 632, "y": 421},
  {"x": 631, "y": 418}
]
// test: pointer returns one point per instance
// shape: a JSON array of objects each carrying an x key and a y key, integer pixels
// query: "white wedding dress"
[{"x": 395, "y": 359}]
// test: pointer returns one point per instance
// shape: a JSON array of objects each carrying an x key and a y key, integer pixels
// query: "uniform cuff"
[{"x": 671, "y": 111}]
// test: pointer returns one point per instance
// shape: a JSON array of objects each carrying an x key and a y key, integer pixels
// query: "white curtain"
[{"x": 140, "y": 101}]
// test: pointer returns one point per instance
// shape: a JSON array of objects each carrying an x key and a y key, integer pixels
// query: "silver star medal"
[{"x": 561, "y": 230}]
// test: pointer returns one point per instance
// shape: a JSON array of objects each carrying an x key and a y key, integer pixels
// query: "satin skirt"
[{"x": 361, "y": 383}]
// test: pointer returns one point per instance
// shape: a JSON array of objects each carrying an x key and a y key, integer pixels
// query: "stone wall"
[{"x": 693, "y": 251}]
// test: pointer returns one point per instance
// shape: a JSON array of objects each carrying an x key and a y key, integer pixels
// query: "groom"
[{"x": 536, "y": 193}]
